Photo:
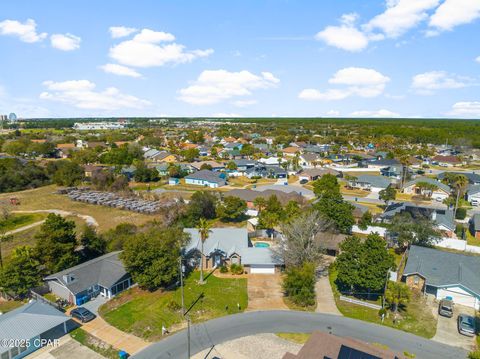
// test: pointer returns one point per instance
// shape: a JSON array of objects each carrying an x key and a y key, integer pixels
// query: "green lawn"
[
  {"x": 416, "y": 318},
  {"x": 16, "y": 221},
  {"x": 6, "y": 306},
  {"x": 143, "y": 313}
]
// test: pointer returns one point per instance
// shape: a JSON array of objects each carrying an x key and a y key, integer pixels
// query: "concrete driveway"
[
  {"x": 68, "y": 348},
  {"x": 265, "y": 292},
  {"x": 325, "y": 301},
  {"x": 447, "y": 331}
]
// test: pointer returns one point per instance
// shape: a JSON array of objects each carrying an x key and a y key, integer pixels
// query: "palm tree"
[
  {"x": 397, "y": 293},
  {"x": 460, "y": 184},
  {"x": 204, "y": 231}
]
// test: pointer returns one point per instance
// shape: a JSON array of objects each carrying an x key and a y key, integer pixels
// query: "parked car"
[
  {"x": 445, "y": 308},
  {"x": 466, "y": 325},
  {"x": 82, "y": 314},
  {"x": 303, "y": 181}
]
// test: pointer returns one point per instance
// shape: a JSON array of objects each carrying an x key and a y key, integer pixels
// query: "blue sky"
[{"x": 409, "y": 58}]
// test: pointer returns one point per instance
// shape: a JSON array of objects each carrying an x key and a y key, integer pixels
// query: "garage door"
[
  {"x": 262, "y": 269},
  {"x": 458, "y": 298}
]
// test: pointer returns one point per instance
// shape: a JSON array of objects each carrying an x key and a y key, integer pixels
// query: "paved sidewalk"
[
  {"x": 325, "y": 301},
  {"x": 68, "y": 348},
  {"x": 115, "y": 337}
]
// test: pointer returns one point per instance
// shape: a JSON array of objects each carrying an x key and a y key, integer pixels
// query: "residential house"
[
  {"x": 129, "y": 172},
  {"x": 473, "y": 178},
  {"x": 440, "y": 214},
  {"x": 473, "y": 194},
  {"x": 160, "y": 156},
  {"x": 312, "y": 174},
  {"x": 321, "y": 345},
  {"x": 310, "y": 160},
  {"x": 65, "y": 149},
  {"x": 96, "y": 144},
  {"x": 90, "y": 170},
  {"x": 242, "y": 166},
  {"x": 272, "y": 161},
  {"x": 33, "y": 324},
  {"x": 369, "y": 183},
  {"x": 207, "y": 178},
  {"x": 393, "y": 172},
  {"x": 249, "y": 196},
  {"x": 427, "y": 187},
  {"x": 214, "y": 165},
  {"x": 382, "y": 163},
  {"x": 446, "y": 161},
  {"x": 475, "y": 225},
  {"x": 104, "y": 275},
  {"x": 330, "y": 242},
  {"x": 266, "y": 172},
  {"x": 444, "y": 275},
  {"x": 227, "y": 246},
  {"x": 291, "y": 151}
]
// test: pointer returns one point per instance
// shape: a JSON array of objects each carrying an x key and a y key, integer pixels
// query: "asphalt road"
[{"x": 223, "y": 329}]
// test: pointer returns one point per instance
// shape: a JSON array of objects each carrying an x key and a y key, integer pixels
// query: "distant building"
[
  {"x": 84, "y": 126},
  {"x": 206, "y": 178}
]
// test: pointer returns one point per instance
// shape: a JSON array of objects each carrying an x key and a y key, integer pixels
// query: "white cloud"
[
  {"x": 244, "y": 103},
  {"x": 214, "y": 86},
  {"x": 153, "y": 48},
  {"x": 225, "y": 115},
  {"x": 466, "y": 109},
  {"x": 478, "y": 59},
  {"x": 121, "y": 31},
  {"x": 427, "y": 82},
  {"x": 358, "y": 81},
  {"x": 82, "y": 94},
  {"x": 377, "y": 114},
  {"x": 333, "y": 113},
  {"x": 27, "y": 31},
  {"x": 65, "y": 42},
  {"x": 120, "y": 70},
  {"x": 346, "y": 36},
  {"x": 452, "y": 13},
  {"x": 401, "y": 16}
]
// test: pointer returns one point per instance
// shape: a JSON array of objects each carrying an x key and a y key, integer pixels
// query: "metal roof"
[
  {"x": 29, "y": 321},
  {"x": 429, "y": 180}
]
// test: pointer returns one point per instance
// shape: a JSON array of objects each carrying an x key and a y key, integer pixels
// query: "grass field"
[
  {"x": 44, "y": 198},
  {"x": 6, "y": 306},
  {"x": 299, "y": 338},
  {"x": 416, "y": 318},
  {"x": 144, "y": 313},
  {"x": 91, "y": 342},
  {"x": 17, "y": 220}
]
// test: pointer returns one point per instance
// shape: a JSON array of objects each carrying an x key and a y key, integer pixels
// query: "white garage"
[
  {"x": 262, "y": 269},
  {"x": 459, "y": 296}
]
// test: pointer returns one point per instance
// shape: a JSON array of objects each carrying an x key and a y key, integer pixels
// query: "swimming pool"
[{"x": 261, "y": 245}]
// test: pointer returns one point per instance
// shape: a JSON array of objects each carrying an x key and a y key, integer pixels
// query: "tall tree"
[
  {"x": 93, "y": 245},
  {"x": 152, "y": 257},
  {"x": 21, "y": 273},
  {"x": 418, "y": 229},
  {"x": 231, "y": 209},
  {"x": 56, "y": 243},
  {"x": 204, "y": 232},
  {"x": 460, "y": 184},
  {"x": 299, "y": 284},
  {"x": 388, "y": 194},
  {"x": 328, "y": 183},
  {"x": 397, "y": 294},
  {"x": 301, "y": 244},
  {"x": 203, "y": 204}
]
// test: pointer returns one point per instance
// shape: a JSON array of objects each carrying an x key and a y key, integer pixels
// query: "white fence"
[
  {"x": 360, "y": 302},
  {"x": 457, "y": 244},
  {"x": 382, "y": 231}
]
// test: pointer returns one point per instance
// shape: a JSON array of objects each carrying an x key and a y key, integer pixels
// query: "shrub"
[
  {"x": 299, "y": 284},
  {"x": 223, "y": 269},
  {"x": 474, "y": 355},
  {"x": 173, "y": 306},
  {"x": 461, "y": 213},
  {"x": 236, "y": 268}
]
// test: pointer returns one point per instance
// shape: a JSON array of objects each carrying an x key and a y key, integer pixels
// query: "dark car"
[
  {"x": 445, "y": 308},
  {"x": 466, "y": 325},
  {"x": 82, "y": 314},
  {"x": 303, "y": 181}
]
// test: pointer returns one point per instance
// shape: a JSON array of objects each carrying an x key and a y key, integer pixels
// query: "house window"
[{"x": 416, "y": 279}]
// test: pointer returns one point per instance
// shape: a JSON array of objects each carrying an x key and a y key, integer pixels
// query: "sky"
[{"x": 249, "y": 58}]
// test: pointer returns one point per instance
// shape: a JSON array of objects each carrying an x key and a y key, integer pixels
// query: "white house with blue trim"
[{"x": 207, "y": 178}]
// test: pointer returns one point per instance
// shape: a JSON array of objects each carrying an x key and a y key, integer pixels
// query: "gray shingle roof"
[
  {"x": 430, "y": 181},
  {"x": 228, "y": 241},
  {"x": 473, "y": 189},
  {"x": 29, "y": 321},
  {"x": 440, "y": 268},
  {"x": 105, "y": 270},
  {"x": 375, "y": 181},
  {"x": 472, "y": 177},
  {"x": 206, "y": 175}
]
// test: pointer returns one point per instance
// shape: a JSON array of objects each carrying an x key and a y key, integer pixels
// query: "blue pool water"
[{"x": 261, "y": 245}]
